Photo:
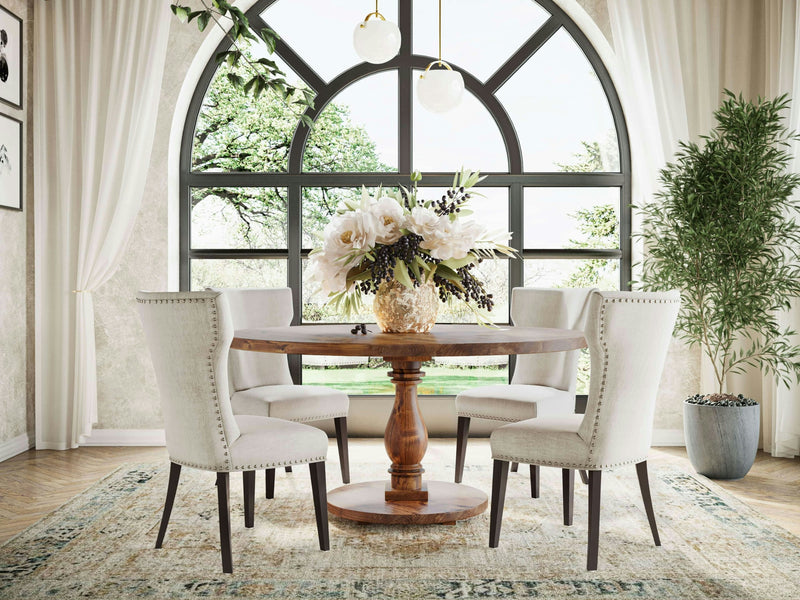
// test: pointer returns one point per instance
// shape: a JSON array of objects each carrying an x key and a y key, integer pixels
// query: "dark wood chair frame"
[
  {"x": 500, "y": 480},
  {"x": 344, "y": 457},
  {"x": 318, "y": 489}
]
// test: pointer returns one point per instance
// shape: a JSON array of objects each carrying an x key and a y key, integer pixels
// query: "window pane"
[
  {"x": 504, "y": 26},
  {"x": 253, "y": 218},
  {"x": 238, "y": 273},
  {"x": 560, "y": 111},
  {"x": 357, "y": 131},
  {"x": 572, "y": 217},
  {"x": 464, "y": 137},
  {"x": 236, "y": 132},
  {"x": 602, "y": 273},
  {"x": 321, "y": 32}
]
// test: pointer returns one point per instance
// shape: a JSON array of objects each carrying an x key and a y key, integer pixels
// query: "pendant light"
[
  {"x": 376, "y": 41},
  {"x": 441, "y": 89}
]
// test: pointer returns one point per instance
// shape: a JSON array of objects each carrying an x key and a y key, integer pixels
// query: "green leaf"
[
  {"x": 401, "y": 274},
  {"x": 203, "y": 19},
  {"x": 181, "y": 12},
  {"x": 457, "y": 263}
]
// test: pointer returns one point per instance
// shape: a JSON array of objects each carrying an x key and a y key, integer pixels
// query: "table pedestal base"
[{"x": 447, "y": 503}]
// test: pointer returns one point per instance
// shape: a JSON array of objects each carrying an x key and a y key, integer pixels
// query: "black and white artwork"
[
  {"x": 10, "y": 163},
  {"x": 10, "y": 58}
]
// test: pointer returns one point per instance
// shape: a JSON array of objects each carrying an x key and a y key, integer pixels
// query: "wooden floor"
[{"x": 34, "y": 483}]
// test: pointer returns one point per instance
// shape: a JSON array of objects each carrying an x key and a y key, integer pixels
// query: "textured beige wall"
[
  {"x": 16, "y": 268},
  {"x": 127, "y": 393},
  {"x": 126, "y": 385}
]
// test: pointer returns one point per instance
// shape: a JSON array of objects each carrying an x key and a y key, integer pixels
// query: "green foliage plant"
[
  {"x": 723, "y": 230},
  {"x": 258, "y": 74}
]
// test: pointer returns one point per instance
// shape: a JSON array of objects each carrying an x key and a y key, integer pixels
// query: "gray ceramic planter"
[{"x": 721, "y": 441}]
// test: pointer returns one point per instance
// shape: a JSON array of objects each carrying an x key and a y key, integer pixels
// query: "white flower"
[
  {"x": 330, "y": 273},
  {"x": 452, "y": 239},
  {"x": 352, "y": 230},
  {"x": 422, "y": 221},
  {"x": 389, "y": 217}
]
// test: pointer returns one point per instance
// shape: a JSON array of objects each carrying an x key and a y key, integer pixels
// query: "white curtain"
[
  {"x": 781, "y": 405},
  {"x": 679, "y": 55},
  {"x": 98, "y": 66}
]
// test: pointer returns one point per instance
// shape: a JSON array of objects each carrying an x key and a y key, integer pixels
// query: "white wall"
[{"x": 16, "y": 275}]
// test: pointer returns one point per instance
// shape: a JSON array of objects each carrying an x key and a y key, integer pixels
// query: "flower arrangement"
[{"x": 399, "y": 237}]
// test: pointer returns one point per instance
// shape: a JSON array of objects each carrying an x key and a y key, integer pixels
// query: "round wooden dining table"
[{"x": 406, "y": 497}]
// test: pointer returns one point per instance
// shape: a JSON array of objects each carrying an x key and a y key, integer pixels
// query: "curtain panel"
[
  {"x": 679, "y": 56},
  {"x": 98, "y": 67}
]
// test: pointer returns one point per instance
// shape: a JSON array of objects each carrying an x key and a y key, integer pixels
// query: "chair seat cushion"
[
  {"x": 513, "y": 402},
  {"x": 552, "y": 441},
  {"x": 266, "y": 443},
  {"x": 291, "y": 402}
]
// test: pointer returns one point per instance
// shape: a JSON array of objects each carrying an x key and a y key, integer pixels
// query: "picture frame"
[
  {"x": 10, "y": 58},
  {"x": 11, "y": 163}
]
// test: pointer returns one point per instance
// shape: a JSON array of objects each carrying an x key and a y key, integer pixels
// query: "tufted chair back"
[
  {"x": 253, "y": 309},
  {"x": 539, "y": 307},
  {"x": 628, "y": 335},
  {"x": 189, "y": 334}
]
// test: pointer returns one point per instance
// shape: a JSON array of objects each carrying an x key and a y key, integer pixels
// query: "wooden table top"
[{"x": 442, "y": 340}]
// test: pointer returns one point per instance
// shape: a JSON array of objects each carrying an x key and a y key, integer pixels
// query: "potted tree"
[{"x": 723, "y": 231}]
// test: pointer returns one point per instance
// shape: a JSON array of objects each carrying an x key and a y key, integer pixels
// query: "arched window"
[{"x": 540, "y": 117}]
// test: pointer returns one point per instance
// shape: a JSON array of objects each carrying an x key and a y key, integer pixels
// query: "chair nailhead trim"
[
  {"x": 564, "y": 465},
  {"x": 308, "y": 419},
  {"x": 604, "y": 345},
  {"x": 492, "y": 417},
  {"x": 249, "y": 467},
  {"x": 211, "y": 303}
]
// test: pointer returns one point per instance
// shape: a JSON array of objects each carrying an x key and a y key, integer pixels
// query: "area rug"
[{"x": 100, "y": 544}]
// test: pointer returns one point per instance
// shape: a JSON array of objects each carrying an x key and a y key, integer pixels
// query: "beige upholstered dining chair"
[
  {"x": 261, "y": 383},
  {"x": 189, "y": 335},
  {"x": 543, "y": 384},
  {"x": 628, "y": 335}
]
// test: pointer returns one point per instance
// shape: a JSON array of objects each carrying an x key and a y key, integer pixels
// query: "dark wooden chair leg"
[
  {"x": 461, "y": 446},
  {"x": 568, "y": 487},
  {"x": 320, "y": 493},
  {"x": 223, "y": 495},
  {"x": 289, "y": 468},
  {"x": 594, "y": 520},
  {"x": 270, "y": 473},
  {"x": 499, "y": 482},
  {"x": 584, "y": 476},
  {"x": 341, "y": 442},
  {"x": 249, "y": 489},
  {"x": 172, "y": 487},
  {"x": 514, "y": 467},
  {"x": 534, "y": 481},
  {"x": 644, "y": 486}
]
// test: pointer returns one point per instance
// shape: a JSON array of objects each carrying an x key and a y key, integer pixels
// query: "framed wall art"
[
  {"x": 10, "y": 163},
  {"x": 10, "y": 58}
]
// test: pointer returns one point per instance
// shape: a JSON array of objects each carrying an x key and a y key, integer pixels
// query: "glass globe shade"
[
  {"x": 376, "y": 41},
  {"x": 440, "y": 90}
]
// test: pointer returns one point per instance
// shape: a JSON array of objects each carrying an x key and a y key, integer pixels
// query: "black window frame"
[{"x": 516, "y": 179}]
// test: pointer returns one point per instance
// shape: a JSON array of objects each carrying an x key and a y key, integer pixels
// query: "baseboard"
[
  {"x": 668, "y": 437},
  {"x": 125, "y": 437},
  {"x": 17, "y": 445}
]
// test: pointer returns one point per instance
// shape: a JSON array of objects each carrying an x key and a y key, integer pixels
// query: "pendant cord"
[{"x": 440, "y": 33}]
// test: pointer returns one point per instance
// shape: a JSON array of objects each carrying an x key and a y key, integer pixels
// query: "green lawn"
[{"x": 438, "y": 379}]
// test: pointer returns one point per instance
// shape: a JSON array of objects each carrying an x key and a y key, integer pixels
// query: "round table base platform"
[{"x": 447, "y": 503}]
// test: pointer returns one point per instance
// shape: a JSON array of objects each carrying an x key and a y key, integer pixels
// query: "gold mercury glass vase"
[{"x": 399, "y": 309}]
